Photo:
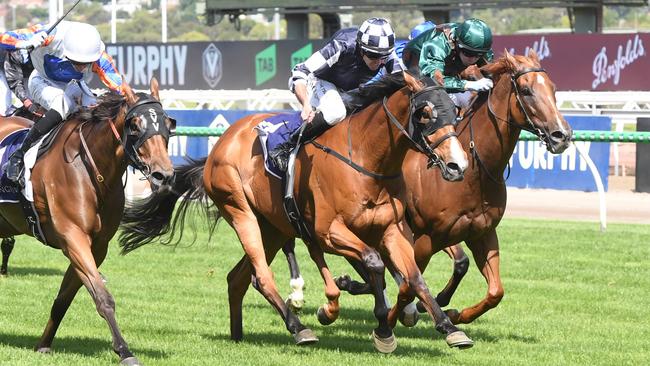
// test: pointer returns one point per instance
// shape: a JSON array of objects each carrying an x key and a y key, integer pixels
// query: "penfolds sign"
[{"x": 597, "y": 62}]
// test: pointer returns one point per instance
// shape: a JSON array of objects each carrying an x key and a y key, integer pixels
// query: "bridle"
[
  {"x": 530, "y": 127},
  {"x": 151, "y": 112}
]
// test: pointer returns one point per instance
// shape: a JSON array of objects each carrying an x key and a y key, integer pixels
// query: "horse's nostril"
[
  {"x": 454, "y": 167},
  {"x": 158, "y": 176},
  {"x": 558, "y": 135}
]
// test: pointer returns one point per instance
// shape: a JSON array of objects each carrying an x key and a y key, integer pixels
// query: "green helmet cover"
[{"x": 474, "y": 35}]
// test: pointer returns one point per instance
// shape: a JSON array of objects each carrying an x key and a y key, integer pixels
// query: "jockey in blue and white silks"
[
  {"x": 64, "y": 62},
  {"x": 350, "y": 58}
]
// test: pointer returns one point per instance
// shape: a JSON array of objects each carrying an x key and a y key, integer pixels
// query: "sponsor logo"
[
  {"x": 265, "y": 65},
  {"x": 540, "y": 47},
  {"x": 139, "y": 63},
  {"x": 301, "y": 55},
  {"x": 626, "y": 55},
  {"x": 212, "y": 65}
]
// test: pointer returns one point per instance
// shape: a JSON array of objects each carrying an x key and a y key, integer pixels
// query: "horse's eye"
[
  {"x": 133, "y": 127},
  {"x": 526, "y": 91}
]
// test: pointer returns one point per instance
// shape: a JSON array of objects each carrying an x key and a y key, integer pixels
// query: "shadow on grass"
[
  {"x": 328, "y": 340},
  {"x": 358, "y": 321},
  {"x": 33, "y": 271},
  {"x": 73, "y": 345}
]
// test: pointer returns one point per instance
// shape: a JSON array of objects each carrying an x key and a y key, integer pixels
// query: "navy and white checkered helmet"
[{"x": 376, "y": 36}]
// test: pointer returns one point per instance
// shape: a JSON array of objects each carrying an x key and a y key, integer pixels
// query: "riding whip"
[{"x": 62, "y": 17}]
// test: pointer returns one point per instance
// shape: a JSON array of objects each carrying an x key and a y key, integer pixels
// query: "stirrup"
[{"x": 17, "y": 169}]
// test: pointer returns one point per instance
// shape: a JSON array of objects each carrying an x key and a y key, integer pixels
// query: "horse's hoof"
[
  {"x": 384, "y": 345},
  {"x": 453, "y": 315},
  {"x": 305, "y": 336},
  {"x": 44, "y": 350},
  {"x": 343, "y": 282},
  {"x": 409, "y": 317},
  {"x": 420, "y": 306},
  {"x": 459, "y": 339},
  {"x": 322, "y": 317},
  {"x": 130, "y": 361}
]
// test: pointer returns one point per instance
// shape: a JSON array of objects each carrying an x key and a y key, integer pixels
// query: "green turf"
[{"x": 573, "y": 296}]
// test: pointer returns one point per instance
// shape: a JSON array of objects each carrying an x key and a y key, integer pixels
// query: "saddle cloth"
[
  {"x": 8, "y": 190},
  {"x": 272, "y": 132}
]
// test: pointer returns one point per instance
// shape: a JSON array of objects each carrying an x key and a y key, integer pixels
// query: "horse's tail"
[{"x": 146, "y": 219}]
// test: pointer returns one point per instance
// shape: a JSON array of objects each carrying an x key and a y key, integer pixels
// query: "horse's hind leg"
[
  {"x": 402, "y": 257},
  {"x": 486, "y": 256},
  {"x": 461, "y": 263},
  {"x": 84, "y": 263},
  {"x": 296, "y": 299},
  {"x": 248, "y": 230},
  {"x": 7, "y": 246}
]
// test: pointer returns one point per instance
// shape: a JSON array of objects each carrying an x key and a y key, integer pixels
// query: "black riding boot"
[
  {"x": 280, "y": 155},
  {"x": 15, "y": 165}
]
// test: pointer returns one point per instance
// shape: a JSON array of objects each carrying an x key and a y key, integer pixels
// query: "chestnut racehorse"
[
  {"x": 442, "y": 214},
  {"x": 79, "y": 197},
  {"x": 356, "y": 212}
]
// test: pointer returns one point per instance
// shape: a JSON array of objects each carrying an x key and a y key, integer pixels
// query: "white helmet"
[{"x": 82, "y": 43}]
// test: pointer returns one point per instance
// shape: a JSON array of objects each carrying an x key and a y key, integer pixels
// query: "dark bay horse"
[
  {"x": 79, "y": 197},
  {"x": 354, "y": 213},
  {"x": 442, "y": 214}
]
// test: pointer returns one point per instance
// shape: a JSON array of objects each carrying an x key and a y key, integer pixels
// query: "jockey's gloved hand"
[
  {"x": 34, "y": 42},
  {"x": 479, "y": 85},
  {"x": 31, "y": 106}
]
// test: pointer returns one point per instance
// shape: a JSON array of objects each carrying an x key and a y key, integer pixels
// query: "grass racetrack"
[{"x": 573, "y": 296}]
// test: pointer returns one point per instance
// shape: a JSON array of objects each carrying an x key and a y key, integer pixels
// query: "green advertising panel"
[
  {"x": 301, "y": 55},
  {"x": 265, "y": 65}
]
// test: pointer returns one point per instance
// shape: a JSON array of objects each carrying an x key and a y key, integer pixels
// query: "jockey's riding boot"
[
  {"x": 15, "y": 165},
  {"x": 280, "y": 155}
]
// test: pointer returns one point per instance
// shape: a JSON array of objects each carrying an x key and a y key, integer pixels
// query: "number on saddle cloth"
[{"x": 272, "y": 132}]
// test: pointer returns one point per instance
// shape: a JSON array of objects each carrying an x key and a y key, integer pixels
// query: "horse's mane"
[
  {"x": 383, "y": 87},
  {"x": 108, "y": 106},
  {"x": 504, "y": 64}
]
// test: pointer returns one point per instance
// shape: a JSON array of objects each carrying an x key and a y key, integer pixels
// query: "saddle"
[{"x": 272, "y": 132}]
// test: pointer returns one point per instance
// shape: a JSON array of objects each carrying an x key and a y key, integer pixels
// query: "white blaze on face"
[{"x": 457, "y": 155}]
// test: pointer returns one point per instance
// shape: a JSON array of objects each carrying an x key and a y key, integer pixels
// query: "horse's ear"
[
  {"x": 412, "y": 83},
  {"x": 128, "y": 92},
  {"x": 510, "y": 60},
  {"x": 154, "y": 88},
  {"x": 532, "y": 54}
]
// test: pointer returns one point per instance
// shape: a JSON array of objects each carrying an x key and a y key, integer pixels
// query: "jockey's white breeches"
[
  {"x": 324, "y": 97},
  {"x": 461, "y": 100},
  {"x": 63, "y": 97}
]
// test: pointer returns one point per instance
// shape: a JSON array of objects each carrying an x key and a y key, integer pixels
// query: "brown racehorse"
[
  {"x": 79, "y": 197},
  {"x": 7, "y": 244},
  {"x": 349, "y": 212},
  {"x": 523, "y": 98}
]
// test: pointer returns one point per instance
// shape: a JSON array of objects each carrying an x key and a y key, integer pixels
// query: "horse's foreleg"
[
  {"x": 402, "y": 257},
  {"x": 7, "y": 246},
  {"x": 296, "y": 299},
  {"x": 348, "y": 244},
  {"x": 461, "y": 263},
  {"x": 486, "y": 256},
  {"x": 85, "y": 261}
]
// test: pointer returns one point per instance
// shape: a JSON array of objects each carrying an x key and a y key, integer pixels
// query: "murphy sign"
[{"x": 599, "y": 62}]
